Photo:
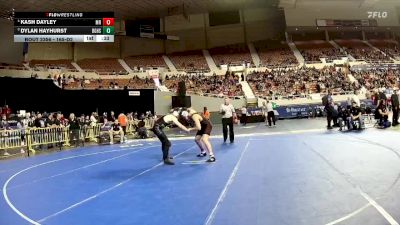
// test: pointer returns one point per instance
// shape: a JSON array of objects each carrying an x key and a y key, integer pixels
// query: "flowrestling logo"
[{"x": 377, "y": 15}]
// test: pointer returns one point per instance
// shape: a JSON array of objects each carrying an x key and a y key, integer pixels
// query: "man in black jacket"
[
  {"x": 395, "y": 106},
  {"x": 327, "y": 102},
  {"x": 74, "y": 128}
]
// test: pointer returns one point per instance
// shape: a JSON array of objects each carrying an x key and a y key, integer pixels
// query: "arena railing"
[
  {"x": 46, "y": 136},
  {"x": 13, "y": 68},
  {"x": 10, "y": 139},
  {"x": 215, "y": 95},
  {"x": 37, "y": 138},
  {"x": 313, "y": 62},
  {"x": 31, "y": 138},
  {"x": 288, "y": 97}
]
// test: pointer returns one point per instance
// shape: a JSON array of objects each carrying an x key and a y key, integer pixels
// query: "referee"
[{"x": 228, "y": 115}]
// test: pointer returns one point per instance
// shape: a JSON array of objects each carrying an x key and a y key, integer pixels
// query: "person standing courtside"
[
  {"x": 123, "y": 121},
  {"x": 244, "y": 115},
  {"x": 327, "y": 102},
  {"x": 395, "y": 106},
  {"x": 228, "y": 115},
  {"x": 206, "y": 113},
  {"x": 270, "y": 113}
]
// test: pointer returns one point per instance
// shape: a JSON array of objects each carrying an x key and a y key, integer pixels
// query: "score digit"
[
  {"x": 108, "y": 21},
  {"x": 108, "y": 30}
]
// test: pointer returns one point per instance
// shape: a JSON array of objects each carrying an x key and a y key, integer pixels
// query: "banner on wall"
[
  {"x": 300, "y": 111},
  {"x": 134, "y": 93}
]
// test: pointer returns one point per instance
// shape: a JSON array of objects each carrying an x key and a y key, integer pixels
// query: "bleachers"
[
  {"x": 12, "y": 66},
  {"x": 313, "y": 51},
  {"x": 207, "y": 85},
  {"x": 134, "y": 83},
  {"x": 378, "y": 78},
  {"x": 231, "y": 54},
  {"x": 362, "y": 52},
  {"x": 144, "y": 61},
  {"x": 390, "y": 47},
  {"x": 106, "y": 66},
  {"x": 189, "y": 61},
  {"x": 274, "y": 53},
  {"x": 52, "y": 64},
  {"x": 298, "y": 82}
]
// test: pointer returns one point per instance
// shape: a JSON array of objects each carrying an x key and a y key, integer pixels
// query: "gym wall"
[
  {"x": 10, "y": 52},
  {"x": 307, "y": 16},
  {"x": 43, "y": 51},
  {"x": 195, "y": 34}
]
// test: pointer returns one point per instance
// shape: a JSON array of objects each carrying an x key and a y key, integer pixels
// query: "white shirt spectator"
[
  {"x": 355, "y": 99},
  {"x": 270, "y": 108},
  {"x": 93, "y": 120},
  {"x": 228, "y": 109},
  {"x": 244, "y": 111}
]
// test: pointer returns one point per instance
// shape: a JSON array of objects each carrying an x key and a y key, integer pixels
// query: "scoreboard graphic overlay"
[{"x": 64, "y": 27}]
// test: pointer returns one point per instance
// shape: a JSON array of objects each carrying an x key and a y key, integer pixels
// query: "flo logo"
[{"x": 376, "y": 14}]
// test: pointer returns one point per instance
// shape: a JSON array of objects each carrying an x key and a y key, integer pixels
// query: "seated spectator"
[
  {"x": 116, "y": 130},
  {"x": 141, "y": 130},
  {"x": 344, "y": 117},
  {"x": 106, "y": 126},
  {"x": 355, "y": 116},
  {"x": 6, "y": 111},
  {"x": 382, "y": 115},
  {"x": 4, "y": 125}
]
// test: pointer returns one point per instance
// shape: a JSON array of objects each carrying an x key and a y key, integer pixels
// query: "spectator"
[
  {"x": 382, "y": 115},
  {"x": 344, "y": 116},
  {"x": 112, "y": 116},
  {"x": 141, "y": 130},
  {"x": 116, "y": 130},
  {"x": 6, "y": 111},
  {"x": 4, "y": 123},
  {"x": 123, "y": 122},
  {"x": 206, "y": 113},
  {"x": 355, "y": 98},
  {"x": 355, "y": 116},
  {"x": 39, "y": 121},
  {"x": 74, "y": 128},
  {"x": 93, "y": 120},
  {"x": 106, "y": 126}
]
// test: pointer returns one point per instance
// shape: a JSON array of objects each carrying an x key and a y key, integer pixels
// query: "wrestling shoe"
[
  {"x": 202, "y": 154},
  {"x": 211, "y": 159}
]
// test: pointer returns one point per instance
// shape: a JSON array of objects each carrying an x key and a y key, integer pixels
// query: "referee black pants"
[
  {"x": 244, "y": 119},
  {"x": 395, "y": 115},
  {"x": 271, "y": 115},
  {"x": 228, "y": 122}
]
